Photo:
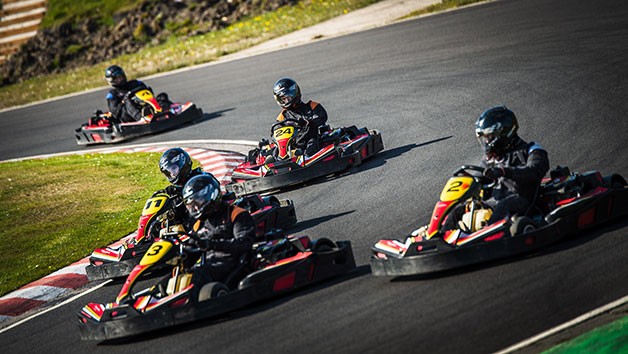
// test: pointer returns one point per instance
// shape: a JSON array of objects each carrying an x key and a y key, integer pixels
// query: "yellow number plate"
[
  {"x": 155, "y": 252},
  {"x": 284, "y": 133},
  {"x": 455, "y": 188},
  {"x": 144, "y": 95},
  {"x": 153, "y": 205}
]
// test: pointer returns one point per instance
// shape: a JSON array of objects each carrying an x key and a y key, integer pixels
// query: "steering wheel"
[
  {"x": 476, "y": 172},
  {"x": 467, "y": 170}
]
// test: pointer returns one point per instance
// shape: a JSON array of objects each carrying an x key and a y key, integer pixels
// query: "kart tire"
[
  {"x": 521, "y": 225},
  {"x": 323, "y": 245},
  {"x": 212, "y": 290}
]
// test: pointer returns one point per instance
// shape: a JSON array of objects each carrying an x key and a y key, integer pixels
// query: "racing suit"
[
  {"x": 524, "y": 167},
  {"x": 229, "y": 234},
  {"x": 315, "y": 116},
  {"x": 122, "y": 108}
]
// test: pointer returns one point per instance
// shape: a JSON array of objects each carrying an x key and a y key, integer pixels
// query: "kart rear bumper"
[{"x": 122, "y": 132}]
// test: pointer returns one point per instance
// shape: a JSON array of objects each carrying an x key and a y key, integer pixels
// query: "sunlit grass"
[
  {"x": 176, "y": 52},
  {"x": 56, "y": 211}
]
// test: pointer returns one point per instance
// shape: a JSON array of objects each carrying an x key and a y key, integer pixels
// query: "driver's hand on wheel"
[{"x": 494, "y": 172}]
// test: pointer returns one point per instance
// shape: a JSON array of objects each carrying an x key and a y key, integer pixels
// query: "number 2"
[{"x": 454, "y": 187}]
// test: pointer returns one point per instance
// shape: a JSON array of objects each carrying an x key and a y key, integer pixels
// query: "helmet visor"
[
  {"x": 171, "y": 172},
  {"x": 195, "y": 206},
  {"x": 115, "y": 80}
]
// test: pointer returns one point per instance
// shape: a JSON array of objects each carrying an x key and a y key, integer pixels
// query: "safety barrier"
[{"x": 19, "y": 20}]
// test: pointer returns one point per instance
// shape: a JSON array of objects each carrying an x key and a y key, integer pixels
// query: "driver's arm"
[
  {"x": 319, "y": 116},
  {"x": 116, "y": 107},
  {"x": 534, "y": 170}
]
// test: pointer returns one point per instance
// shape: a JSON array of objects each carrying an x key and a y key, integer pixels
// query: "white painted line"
[
  {"x": 217, "y": 166},
  {"x": 18, "y": 37},
  {"x": 19, "y": 4},
  {"x": 22, "y": 14},
  {"x": 116, "y": 149},
  {"x": 72, "y": 269},
  {"x": 39, "y": 292},
  {"x": 564, "y": 326},
  {"x": 55, "y": 306}
]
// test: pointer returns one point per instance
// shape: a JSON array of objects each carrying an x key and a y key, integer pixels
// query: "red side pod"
[
  {"x": 495, "y": 237},
  {"x": 311, "y": 272},
  {"x": 260, "y": 228},
  {"x": 364, "y": 152},
  {"x": 97, "y": 138},
  {"x": 586, "y": 218},
  {"x": 285, "y": 282},
  {"x": 142, "y": 225},
  {"x": 439, "y": 210}
]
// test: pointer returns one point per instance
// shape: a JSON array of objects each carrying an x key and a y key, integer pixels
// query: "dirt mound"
[{"x": 86, "y": 42}]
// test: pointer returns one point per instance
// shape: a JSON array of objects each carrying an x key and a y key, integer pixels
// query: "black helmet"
[
  {"x": 286, "y": 92},
  {"x": 201, "y": 195},
  {"x": 176, "y": 165},
  {"x": 115, "y": 76},
  {"x": 496, "y": 130}
]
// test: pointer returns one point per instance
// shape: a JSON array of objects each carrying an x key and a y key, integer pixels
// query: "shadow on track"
[
  {"x": 381, "y": 158},
  {"x": 565, "y": 244},
  {"x": 303, "y": 225},
  {"x": 252, "y": 309},
  {"x": 376, "y": 161},
  {"x": 208, "y": 116}
]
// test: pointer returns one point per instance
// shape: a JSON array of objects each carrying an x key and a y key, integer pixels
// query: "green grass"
[
  {"x": 440, "y": 6},
  {"x": 56, "y": 211},
  {"x": 176, "y": 53},
  {"x": 611, "y": 338},
  {"x": 60, "y": 11}
]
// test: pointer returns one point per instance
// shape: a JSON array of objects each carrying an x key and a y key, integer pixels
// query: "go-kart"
[
  {"x": 269, "y": 213},
  {"x": 279, "y": 163},
  {"x": 103, "y": 128},
  {"x": 565, "y": 203},
  {"x": 273, "y": 268}
]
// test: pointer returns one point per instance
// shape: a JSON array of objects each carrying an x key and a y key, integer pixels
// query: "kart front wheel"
[
  {"x": 212, "y": 290},
  {"x": 521, "y": 225}
]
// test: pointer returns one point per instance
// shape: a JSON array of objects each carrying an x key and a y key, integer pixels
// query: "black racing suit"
[
  {"x": 230, "y": 232},
  {"x": 124, "y": 110},
  {"x": 315, "y": 115},
  {"x": 524, "y": 167}
]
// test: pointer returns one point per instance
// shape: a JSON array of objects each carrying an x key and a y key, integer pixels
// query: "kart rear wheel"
[
  {"x": 212, "y": 290},
  {"x": 521, "y": 225}
]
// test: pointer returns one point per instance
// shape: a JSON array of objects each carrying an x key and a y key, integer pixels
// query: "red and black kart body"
[
  {"x": 103, "y": 129},
  {"x": 270, "y": 214},
  {"x": 276, "y": 267},
  {"x": 340, "y": 149},
  {"x": 565, "y": 204}
]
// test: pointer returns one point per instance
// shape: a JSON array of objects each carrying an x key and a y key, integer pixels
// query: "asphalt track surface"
[{"x": 560, "y": 65}]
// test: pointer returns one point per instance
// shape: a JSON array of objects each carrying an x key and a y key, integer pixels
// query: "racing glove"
[{"x": 494, "y": 172}]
